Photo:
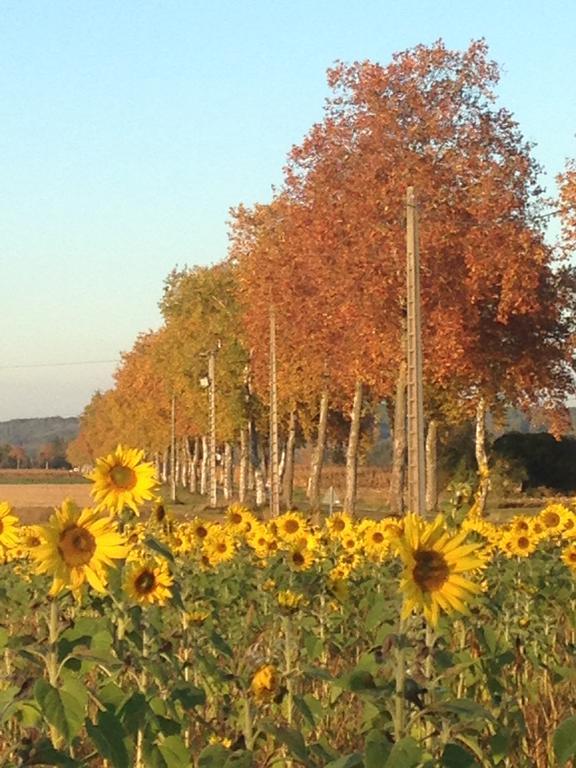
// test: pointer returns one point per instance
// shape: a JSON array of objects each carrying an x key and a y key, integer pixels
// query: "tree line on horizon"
[{"x": 327, "y": 257}]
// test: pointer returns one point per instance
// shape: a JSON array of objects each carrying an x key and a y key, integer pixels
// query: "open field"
[{"x": 34, "y": 502}]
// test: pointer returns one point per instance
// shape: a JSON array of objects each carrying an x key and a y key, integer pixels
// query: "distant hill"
[{"x": 32, "y": 434}]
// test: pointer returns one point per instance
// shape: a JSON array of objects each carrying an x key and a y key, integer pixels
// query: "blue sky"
[{"x": 128, "y": 129}]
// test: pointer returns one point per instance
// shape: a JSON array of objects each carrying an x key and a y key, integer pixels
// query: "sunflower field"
[{"x": 349, "y": 643}]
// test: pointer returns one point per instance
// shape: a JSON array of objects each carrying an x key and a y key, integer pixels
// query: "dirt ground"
[{"x": 35, "y": 502}]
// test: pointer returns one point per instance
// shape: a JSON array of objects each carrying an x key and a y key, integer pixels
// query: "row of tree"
[
  {"x": 51, "y": 455},
  {"x": 327, "y": 254}
]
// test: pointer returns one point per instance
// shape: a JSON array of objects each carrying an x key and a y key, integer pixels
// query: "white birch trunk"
[
  {"x": 318, "y": 457},
  {"x": 352, "y": 451},
  {"x": 431, "y": 464},
  {"x": 228, "y": 471},
  {"x": 288, "y": 479},
  {"x": 243, "y": 469},
  {"x": 398, "y": 476},
  {"x": 204, "y": 467}
]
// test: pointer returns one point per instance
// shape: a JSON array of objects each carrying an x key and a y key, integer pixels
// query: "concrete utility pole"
[
  {"x": 416, "y": 474},
  {"x": 212, "y": 427},
  {"x": 274, "y": 471},
  {"x": 173, "y": 448}
]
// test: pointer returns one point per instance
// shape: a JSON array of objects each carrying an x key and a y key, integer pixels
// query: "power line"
[{"x": 57, "y": 365}]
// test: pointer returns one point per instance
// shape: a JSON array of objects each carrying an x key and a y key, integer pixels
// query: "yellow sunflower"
[
  {"x": 300, "y": 559},
  {"x": 553, "y": 518},
  {"x": 520, "y": 524},
  {"x": 239, "y": 519},
  {"x": 338, "y": 524},
  {"x": 290, "y": 526},
  {"x": 569, "y": 529},
  {"x": 218, "y": 546},
  {"x": 521, "y": 543},
  {"x": 265, "y": 683},
  {"x": 376, "y": 542},
  {"x": 149, "y": 581},
  {"x": 8, "y": 527},
  {"x": 77, "y": 546},
  {"x": 569, "y": 557},
  {"x": 434, "y": 562},
  {"x": 289, "y": 600},
  {"x": 123, "y": 479},
  {"x": 199, "y": 529}
]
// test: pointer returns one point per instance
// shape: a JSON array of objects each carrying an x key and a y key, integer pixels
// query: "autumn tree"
[
  {"x": 497, "y": 311},
  {"x": 18, "y": 454}
]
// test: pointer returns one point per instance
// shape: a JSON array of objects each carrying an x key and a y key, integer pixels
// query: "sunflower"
[
  {"x": 553, "y": 518},
  {"x": 123, "y": 479},
  {"x": 218, "y": 546},
  {"x": 520, "y": 524},
  {"x": 265, "y": 683},
  {"x": 289, "y": 600},
  {"x": 199, "y": 529},
  {"x": 290, "y": 526},
  {"x": 8, "y": 527},
  {"x": 434, "y": 561},
  {"x": 376, "y": 542},
  {"x": 77, "y": 546},
  {"x": 569, "y": 557},
  {"x": 149, "y": 581},
  {"x": 569, "y": 529},
  {"x": 521, "y": 543},
  {"x": 261, "y": 540},
  {"x": 338, "y": 524},
  {"x": 300, "y": 559},
  {"x": 239, "y": 519}
]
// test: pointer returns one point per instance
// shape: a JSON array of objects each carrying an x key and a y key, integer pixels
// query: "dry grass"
[{"x": 35, "y": 501}]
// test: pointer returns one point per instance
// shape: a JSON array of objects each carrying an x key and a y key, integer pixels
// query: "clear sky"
[{"x": 128, "y": 128}]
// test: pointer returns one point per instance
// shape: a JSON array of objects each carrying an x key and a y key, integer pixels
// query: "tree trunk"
[
  {"x": 318, "y": 458},
  {"x": 193, "y": 476},
  {"x": 352, "y": 451},
  {"x": 432, "y": 467},
  {"x": 481, "y": 459},
  {"x": 164, "y": 472},
  {"x": 288, "y": 479},
  {"x": 243, "y": 469},
  {"x": 398, "y": 476},
  {"x": 260, "y": 482},
  {"x": 228, "y": 471},
  {"x": 204, "y": 467}
]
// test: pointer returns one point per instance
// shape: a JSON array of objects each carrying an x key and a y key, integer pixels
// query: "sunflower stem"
[
  {"x": 52, "y": 655},
  {"x": 400, "y": 703},
  {"x": 288, "y": 652},
  {"x": 248, "y": 725},
  {"x": 52, "y": 661}
]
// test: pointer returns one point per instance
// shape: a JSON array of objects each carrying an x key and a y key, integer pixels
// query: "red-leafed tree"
[{"x": 331, "y": 252}]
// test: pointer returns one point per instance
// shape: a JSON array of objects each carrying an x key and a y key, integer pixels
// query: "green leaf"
[
  {"x": 377, "y": 749},
  {"x": 465, "y": 708},
  {"x": 221, "y": 645},
  {"x": 45, "y": 754},
  {"x": 406, "y": 753},
  {"x": 188, "y": 695},
  {"x": 174, "y": 752},
  {"x": 347, "y": 761},
  {"x": 239, "y": 759},
  {"x": 60, "y": 708},
  {"x": 290, "y": 738},
  {"x": 455, "y": 756},
  {"x": 108, "y": 737},
  {"x": 133, "y": 712},
  {"x": 213, "y": 756},
  {"x": 305, "y": 710},
  {"x": 564, "y": 740},
  {"x": 159, "y": 548}
]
